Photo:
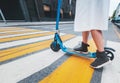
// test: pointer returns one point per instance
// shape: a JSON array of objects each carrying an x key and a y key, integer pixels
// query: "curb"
[{"x": 32, "y": 23}]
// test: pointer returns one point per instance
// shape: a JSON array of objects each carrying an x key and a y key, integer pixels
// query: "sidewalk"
[{"x": 2, "y": 24}]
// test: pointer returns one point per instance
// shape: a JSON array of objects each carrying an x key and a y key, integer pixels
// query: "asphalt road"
[{"x": 25, "y": 56}]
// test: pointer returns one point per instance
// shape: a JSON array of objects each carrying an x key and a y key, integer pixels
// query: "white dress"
[{"x": 91, "y": 14}]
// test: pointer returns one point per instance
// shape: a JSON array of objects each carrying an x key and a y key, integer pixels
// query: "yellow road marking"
[
  {"x": 74, "y": 70},
  {"x": 17, "y": 32},
  {"x": 20, "y": 30},
  {"x": 10, "y": 29},
  {"x": 24, "y": 37},
  {"x": 22, "y": 50},
  {"x": 3, "y": 34},
  {"x": 14, "y": 28},
  {"x": 23, "y": 32},
  {"x": 92, "y": 47}
]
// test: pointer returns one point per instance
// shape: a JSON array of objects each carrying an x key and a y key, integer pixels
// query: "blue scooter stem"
[{"x": 58, "y": 15}]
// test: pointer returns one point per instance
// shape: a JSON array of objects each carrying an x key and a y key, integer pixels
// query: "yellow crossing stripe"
[
  {"x": 22, "y": 50},
  {"x": 24, "y": 37},
  {"x": 23, "y": 30},
  {"x": 3, "y": 34},
  {"x": 17, "y": 32},
  {"x": 10, "y": 29},
  {"x": 92, "y": 47},
  {"x": 74, "y": 70}
]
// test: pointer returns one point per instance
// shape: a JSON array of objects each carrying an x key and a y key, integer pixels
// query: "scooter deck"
[{"x": 77, "y": 53}]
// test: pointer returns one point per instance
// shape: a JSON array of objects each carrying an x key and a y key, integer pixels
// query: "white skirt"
[{"x": 91, "y": 14}]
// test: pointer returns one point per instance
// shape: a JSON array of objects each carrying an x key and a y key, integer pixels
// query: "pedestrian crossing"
[
  {"x": 25, "y": 57},
  {"x": 21, "y": 45},
  {"x": 24, "y": 37},
  {"x": 24, "y": 49}
]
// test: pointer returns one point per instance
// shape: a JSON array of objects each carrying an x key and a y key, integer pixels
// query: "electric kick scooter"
[{"x": 57, "y": 44}]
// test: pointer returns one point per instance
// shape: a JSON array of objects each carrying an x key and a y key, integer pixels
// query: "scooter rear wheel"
[
  {"x": 55, "y": 46},
  {"x": 109, "y": 54}
]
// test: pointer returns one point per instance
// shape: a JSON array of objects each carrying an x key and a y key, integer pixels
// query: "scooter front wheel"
[{"x": 55, "y": 46}]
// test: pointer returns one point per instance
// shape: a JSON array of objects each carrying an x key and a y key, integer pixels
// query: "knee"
[{"x": 94, "y": 30}]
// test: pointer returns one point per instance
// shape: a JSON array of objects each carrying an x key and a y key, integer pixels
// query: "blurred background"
[
  {"x": 45, "y": 10},
  {"x": 36, "y": 10}
]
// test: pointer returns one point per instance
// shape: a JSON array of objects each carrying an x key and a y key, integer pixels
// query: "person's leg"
[
  {"x": 85, "y": 35},
  {"x": 102, "y": 58},
  {"x": 98, "y": 39},
  {"x": 83, "y": 48}
]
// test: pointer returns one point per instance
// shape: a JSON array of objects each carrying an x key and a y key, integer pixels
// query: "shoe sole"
[
  {"x": 101, "y": 65},
  {"x": 82, "y": 52}
]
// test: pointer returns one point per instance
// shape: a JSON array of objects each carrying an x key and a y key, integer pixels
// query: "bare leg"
[
  {"x": 85, "y": 35},
  {"x": 102, "y": 58},
  {"x": 98, "y": 39}
]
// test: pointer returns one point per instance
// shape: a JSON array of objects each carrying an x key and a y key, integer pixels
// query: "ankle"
[
  {"x": 100, "y": 51},
  {"x": 101, "y": 54},
  {"x": 85, "y": 43}
]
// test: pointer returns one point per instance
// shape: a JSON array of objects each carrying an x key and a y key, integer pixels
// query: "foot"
[
  {"x": 101, "y": 60},
  {"x": 83, "y": 48}
]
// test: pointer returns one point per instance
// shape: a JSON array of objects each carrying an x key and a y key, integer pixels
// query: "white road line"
[
  {"x": 62, "y": 29},
  {"x": 52, "y": 27},
  {"x": 23, "y": 34},
  {"x": 26, "y": 41},
  {"x": 111, "y": 72},
  {"x": 17, "y": 70}
]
